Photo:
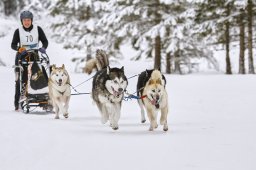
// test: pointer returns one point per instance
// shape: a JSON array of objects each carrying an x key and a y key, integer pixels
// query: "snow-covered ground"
[{"x": 212, "y": 124}]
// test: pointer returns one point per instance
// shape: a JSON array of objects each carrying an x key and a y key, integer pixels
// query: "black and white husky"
[
  {"x": 108, "y": 89},
  {"x": 151, "y": 86}
]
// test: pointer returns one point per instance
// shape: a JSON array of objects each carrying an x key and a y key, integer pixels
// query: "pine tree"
[
  {"x": 79, "y": 26},
  {"x": 242, "y": 39},
  {"x": 250, "y": 6},
  {"x": 227, "y": 40},
  {"x": 152, "y": 27},
  {"x": 9, "y": 7},
  {"x": 215, "y": 24},
  {"x": 141, "y": 20},
  {"x": 168, "y": 63}
]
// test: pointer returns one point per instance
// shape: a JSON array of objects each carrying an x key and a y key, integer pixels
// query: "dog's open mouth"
[
  {"x": 116, "y": 93},
  {"x": 59, "y": 83},
  {"x": 155, "y": 101}
]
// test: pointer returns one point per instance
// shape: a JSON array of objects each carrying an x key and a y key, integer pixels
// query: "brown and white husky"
[{"x": 151, "y": 85}]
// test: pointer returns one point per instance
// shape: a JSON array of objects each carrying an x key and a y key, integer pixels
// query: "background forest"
[{"x": 173, "y": 33}]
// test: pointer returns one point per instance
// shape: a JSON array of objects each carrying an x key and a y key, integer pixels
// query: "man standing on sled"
[{"x": 26, "y": 38}]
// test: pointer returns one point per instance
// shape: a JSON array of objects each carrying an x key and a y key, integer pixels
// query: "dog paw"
[
  {"x": 165, "y": 128},
  {"x": 143, "y": 121},
  {"x": 65, "y": 115},
  {"x": 57, "y": 117},
  {"x": 151, "y": 128},
  {"x": 114, "y": 126},
  {"x": 154, "y": 125}
]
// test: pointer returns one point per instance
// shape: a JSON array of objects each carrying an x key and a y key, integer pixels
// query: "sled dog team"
[{"x": 108, "y": 87}]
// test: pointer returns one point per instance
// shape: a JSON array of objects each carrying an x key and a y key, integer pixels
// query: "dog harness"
[
  {"x": 54, "y": 86},
  {"x": 62, "y": 93}
]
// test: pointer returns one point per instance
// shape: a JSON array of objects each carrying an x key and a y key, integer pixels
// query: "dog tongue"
[
  {"x": 155, "y": 103},
  {"x": 116, "y": 93}
]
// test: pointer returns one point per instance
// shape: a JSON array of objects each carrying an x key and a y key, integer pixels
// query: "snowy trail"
[{"x": 211, "y": 121}]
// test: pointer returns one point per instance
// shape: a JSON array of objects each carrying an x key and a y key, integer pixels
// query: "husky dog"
[
  {"x": 98, "y": 63},
  {"x": 151, "y": 87},
  {"x": 108, "y": 89},
  {"x": 59, "y": 90}
]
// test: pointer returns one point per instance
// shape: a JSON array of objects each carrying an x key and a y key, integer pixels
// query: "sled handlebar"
[{"x": 19, "y": 66}]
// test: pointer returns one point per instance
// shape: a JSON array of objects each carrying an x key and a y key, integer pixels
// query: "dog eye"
[
  {"x": 159, "y": 91},
  {"x": 153, "y": 91},
  {"x": 115, "y": 81},
  {"x": 122, "y": 82}
]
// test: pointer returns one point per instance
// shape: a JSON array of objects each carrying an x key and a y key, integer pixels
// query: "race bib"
[{"x": 29, "y": 39}]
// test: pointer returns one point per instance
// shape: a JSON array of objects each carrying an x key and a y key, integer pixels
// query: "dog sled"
[{"x": 34, "y": 84}]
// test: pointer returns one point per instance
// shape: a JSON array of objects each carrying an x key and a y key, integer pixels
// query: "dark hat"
[{"x": 26, "y": 14}]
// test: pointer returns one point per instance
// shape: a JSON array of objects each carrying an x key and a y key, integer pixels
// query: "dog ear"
[
  {"x": 68, "y": 80},
  {"x": 108, "y": 70},
  {"x": 158, "y": 81},
  {"x": 150, "y": 82},
  {"x": 147, "y": 73},
  {"x": 63, "y": 66},
  {"x": 122, "y": 69},
  {"x": 53, "y": 67},
  {"x": 159, "y": 69}
]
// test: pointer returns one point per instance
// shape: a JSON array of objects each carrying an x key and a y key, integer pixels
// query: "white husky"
[{"x": 59, "y": 90}]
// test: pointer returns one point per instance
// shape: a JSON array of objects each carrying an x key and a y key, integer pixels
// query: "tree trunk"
[
  {"x": 250, "y": 45},
  {"x": 227, "y": 24},
  {"x": 89, "y": 52},
  {"x": 157, "y": 20},
  {"x": 157, "y": 64},
  {"x": 168, "y": 63},
  {"x": 20, "y": 5},
  {"x": 10, "y": 7},
  {"x": 242, "y": 47},
  {"x": 7, "y": 7},
  {"x": 177, "y": 68}
]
